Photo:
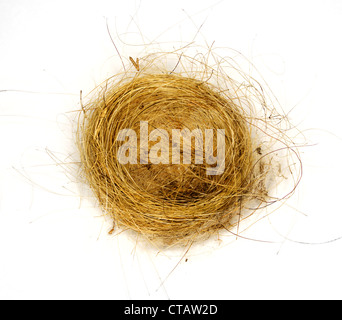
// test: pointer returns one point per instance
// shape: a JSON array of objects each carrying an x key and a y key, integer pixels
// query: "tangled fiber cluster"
[{"x": 169, "y": 202}]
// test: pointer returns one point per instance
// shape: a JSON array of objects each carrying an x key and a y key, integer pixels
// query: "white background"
[{"x": 54, "y": 242}]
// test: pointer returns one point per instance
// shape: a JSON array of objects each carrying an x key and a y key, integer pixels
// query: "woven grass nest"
[{"x": 169, "y": 189}]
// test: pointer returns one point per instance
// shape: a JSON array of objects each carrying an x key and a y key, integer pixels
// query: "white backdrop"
[{"x": 54, "y": 242}]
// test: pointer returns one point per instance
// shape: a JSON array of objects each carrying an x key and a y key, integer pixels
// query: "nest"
[{"x": 169, "y": 188}]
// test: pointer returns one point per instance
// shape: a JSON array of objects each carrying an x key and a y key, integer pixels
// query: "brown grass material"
[{"x": 175, "y": 203}]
